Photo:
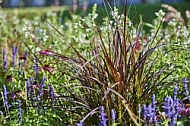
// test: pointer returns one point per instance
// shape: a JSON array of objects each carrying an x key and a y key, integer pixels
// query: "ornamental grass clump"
[{"x": 118, "y": 72}]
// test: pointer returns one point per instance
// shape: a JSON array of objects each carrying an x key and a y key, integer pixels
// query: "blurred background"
[{"x": 79, "y": 3}]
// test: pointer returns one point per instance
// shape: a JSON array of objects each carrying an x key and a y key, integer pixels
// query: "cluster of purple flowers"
[
  {"x": 102, "y": 117},
  {"x": 37, "y": 93},
  {"x": 173, "y": 107},
  {"x": 34, "y": 90},
  {"x": 7, "y": 105},
  {"x": 150, "y": 112},
  {"x": 14, "y": 56}
]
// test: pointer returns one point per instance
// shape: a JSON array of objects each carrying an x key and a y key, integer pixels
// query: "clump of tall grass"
[{"x": 118, "y": 72}]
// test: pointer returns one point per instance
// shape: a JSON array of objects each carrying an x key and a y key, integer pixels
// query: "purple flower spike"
[
  {"x": 150, "y": 114},
  {"x": 167, "y": 106},
  {"x": 102, "y": 117},
  {"x": 4, "y": 60},
  {"x": 20, "y": 112},
  {"x": 154, "y": 101},
  {"x": 5, "y": 99},
  {"x": 113, "y": 115},
  {"x": 51, "y": 94},
  {"x": 175, "y": 92},
  {"x": 172, "y": 119},
  {"x": 186, "y": 92},
  {"x": 144, "y": 111},
  {"x": 14, "y": 52},
  {"x": 41, "y": 87}
]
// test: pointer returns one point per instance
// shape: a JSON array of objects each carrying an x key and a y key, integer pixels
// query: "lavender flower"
[
  {"x": 154, "y": 101},
  {"x": 172, "y": 118},
  {"x": 186, "y": 92},
  {"x": 144, "y": 111},
  {"x": 102, "y": 117},
  {"x": 172, "y": 107},
  {"x": 14, "y": 52},
  {"x": 177, "y": 106},
  {"x": 51, "y": 94},
  {"x": 30, "y": 90},
  {"x": 20, "y": 112},
  {"x": 113, "y": 115},
  {"x": 4, "y": 60},
  {"x": 41, "y": 87},
  {"x": 79, "y": 124},
  {"x": 31, "y": 85},
  {"x": 150, "y": 114},
  {"x": 167, "y": 106},
  {"x": 176, "y": 103},
  {"x": 175, "y": 92},
  {"x": 5, "y": 99}
]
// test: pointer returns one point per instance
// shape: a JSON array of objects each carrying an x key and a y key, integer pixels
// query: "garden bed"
[{"x": 94, "y": 68}]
